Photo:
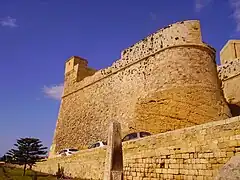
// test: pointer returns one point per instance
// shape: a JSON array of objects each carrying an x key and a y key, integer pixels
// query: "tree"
[
  {"x": 3, "y": 158},
  {"x": 28, "y": 151}
]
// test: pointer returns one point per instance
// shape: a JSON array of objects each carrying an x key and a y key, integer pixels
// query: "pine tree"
[
  {"x": 27, "y": 152},
  {"x": 3, "y": 158}
]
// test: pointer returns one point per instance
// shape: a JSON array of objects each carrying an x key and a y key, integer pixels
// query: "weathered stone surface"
[
  {"x": 229, "y": 70},
  {"x": 230, "y": 51},
  {"x": 166, "y": 81},
  {"x": 231, "y": 170},
  {"x": 229, "y": 74},
  {"x": 196, "y": 152},
  {"x": 114, "y": 156}
]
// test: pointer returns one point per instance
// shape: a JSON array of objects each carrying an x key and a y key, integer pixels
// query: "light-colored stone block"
[
  {"x": 230, "y": 51},
  {"x": 114, "y": 156}
]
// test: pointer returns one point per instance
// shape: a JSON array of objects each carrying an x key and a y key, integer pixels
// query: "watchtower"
[{"x": 76, "y": 69}]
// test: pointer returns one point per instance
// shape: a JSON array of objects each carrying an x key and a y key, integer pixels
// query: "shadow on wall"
[{"x": 235, "y": 109}]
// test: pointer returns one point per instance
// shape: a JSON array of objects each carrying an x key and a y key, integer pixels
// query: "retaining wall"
[{"x": 191, "y": 153}]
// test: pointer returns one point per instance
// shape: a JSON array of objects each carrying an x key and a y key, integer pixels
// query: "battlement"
[{"x": 184, "y": 33}]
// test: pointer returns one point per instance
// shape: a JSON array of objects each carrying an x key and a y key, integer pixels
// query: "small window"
[{"x": 73, "y": 150}]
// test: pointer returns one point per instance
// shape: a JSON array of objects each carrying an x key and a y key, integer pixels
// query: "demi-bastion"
[{"x": 164, "y": 82}]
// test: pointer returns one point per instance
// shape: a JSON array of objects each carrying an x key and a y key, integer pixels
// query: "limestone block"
[
  {"x": 230, "y": 51},
  {"x": 200, "y": 177},
  {"x": 114, "y": 157},
  {"x": 229, "y": 74}
]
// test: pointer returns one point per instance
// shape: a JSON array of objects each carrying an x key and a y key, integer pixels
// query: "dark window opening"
[
  {"x": 74, "y": 150},
  {"x": 144, "y": 134},
  {"x": 235, "y": 109}
]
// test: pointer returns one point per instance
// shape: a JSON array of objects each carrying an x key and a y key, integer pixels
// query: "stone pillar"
[{"x": 114, "y": 157}]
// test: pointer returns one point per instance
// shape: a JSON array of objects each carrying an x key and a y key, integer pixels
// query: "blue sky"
[{"x": 36, "y": 37}]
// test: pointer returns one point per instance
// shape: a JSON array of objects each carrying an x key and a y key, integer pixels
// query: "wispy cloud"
[
  {"x": 8, "y": 22},
  {"x": 54, "y": 92},
  {"x": 235, "y": 4},
  {"x": 153, "y": 16},
  {"x": 200, "y": 4}
]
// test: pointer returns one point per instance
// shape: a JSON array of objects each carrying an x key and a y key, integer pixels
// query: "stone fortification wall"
[
  {"x": 229, "y": 73},
  {"x": 184, "y": 32},
  {"x": 229, "y": 70},
  {"x": 230, "y": 51},
  {"x": 166, "y": 81},
  {"x": 191, "y": 153}
]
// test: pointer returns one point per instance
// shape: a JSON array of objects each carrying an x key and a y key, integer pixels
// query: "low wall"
[
  {"x": 88, "y": 164},
  {"x": 190, "y": 153}
]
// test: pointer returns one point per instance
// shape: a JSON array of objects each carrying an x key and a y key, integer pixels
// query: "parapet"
[
  {"x": 175, "y": 34},
  {"x": 230, "y": 51},
  {"x": 184, "y": 33},
  {"x": 229, "y": 70}
]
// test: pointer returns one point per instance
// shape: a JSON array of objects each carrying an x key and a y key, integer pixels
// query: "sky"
[{"x": 37, "y": 37}]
